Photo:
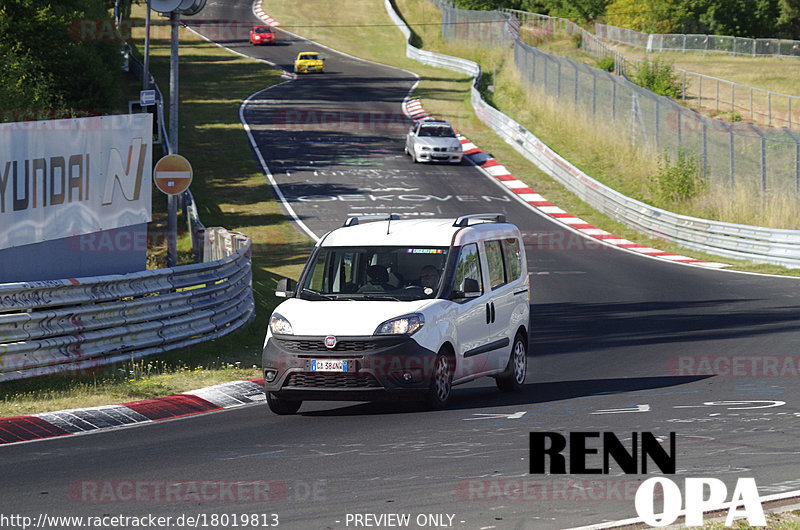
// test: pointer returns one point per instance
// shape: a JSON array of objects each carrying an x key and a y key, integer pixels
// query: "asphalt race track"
[{"x": 611, "y": 332}]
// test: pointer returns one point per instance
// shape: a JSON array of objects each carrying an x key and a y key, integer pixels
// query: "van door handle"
[
  {"x": 488, "y": 314},
  {"x": 493, "y": 315}
]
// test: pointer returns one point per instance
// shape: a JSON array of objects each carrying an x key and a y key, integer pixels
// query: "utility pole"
[
  {"x": 172, "y": 201},
  {"x": 146, "y": 74}
]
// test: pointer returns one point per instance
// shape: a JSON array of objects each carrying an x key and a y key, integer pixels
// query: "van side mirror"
[
  {"x": 411, "y": 130},
  {"x": 469, "y": 289},
  {"x": 285, "y": 288}
]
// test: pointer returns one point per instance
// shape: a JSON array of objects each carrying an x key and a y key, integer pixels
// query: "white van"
[{"x": 394, "y": 308}]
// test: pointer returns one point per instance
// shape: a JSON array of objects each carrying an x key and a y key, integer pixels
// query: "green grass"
[{"x": 231, "y": 192}]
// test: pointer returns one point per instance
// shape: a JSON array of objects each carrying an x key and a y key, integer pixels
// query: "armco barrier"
[
  {"x": 757, "y": 244},
  {"x": 76, "y": 324}
]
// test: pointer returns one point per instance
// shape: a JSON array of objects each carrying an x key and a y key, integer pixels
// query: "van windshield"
[{"x": 375, "y": 273}]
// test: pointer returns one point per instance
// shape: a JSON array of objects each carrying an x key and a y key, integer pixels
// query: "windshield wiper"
[
  {"x": 319, "y": 295},
  {"x": 379, "y": 297}
]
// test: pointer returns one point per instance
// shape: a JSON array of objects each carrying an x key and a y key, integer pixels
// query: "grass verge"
[
  {"x": 363, "y": 29},
  {"x": 230, "y": 191}
]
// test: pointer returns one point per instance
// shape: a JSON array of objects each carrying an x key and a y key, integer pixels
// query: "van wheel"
[
  {"x": 441, "y": 383},
  {"x": 282, "y": 406},
  {"x": 513, "y": 378}
]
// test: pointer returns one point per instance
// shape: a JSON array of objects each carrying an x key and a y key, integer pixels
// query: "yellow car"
[{"x": 307, "y": 62}]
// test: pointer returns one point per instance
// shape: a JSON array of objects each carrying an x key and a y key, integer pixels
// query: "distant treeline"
[
  {"x": 738, "y": 18},
  {"x": 57, "y": 58}
]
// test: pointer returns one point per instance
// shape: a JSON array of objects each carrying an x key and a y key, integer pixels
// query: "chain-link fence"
[
  {"x": 658, "y": 42},
  {"x": 713, "y": 95},
  {"x": 732, "y": 154},
  {"x": 757, "y": 105},
  {"x": 482, "y": 28}
]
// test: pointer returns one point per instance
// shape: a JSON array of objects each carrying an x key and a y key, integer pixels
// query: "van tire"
[
  {"x": 513, "y": 378},
  {"x": 282, "y": 407},
  {"x": 441, "y": 386}
]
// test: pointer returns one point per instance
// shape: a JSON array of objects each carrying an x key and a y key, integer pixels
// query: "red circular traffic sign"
[{"x": 172, "y": 174}]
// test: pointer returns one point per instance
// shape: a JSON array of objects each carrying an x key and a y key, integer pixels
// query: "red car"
[{"x": 262, "y": 35}]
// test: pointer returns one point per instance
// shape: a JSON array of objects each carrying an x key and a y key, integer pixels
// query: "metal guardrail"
[
  {"x": 47, "y": 327},
  {"x": 761, "y": 245}
]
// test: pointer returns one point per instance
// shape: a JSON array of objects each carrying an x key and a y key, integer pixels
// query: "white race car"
[{"x": 433, "y": 141}]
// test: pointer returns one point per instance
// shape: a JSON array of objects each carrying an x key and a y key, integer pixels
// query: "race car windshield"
[
  {"x": 309, "y": 57},
  {"x": 439, "y": 131},
  {"x": 263, "y": 30},
  {"x": 375, "y": 273}
]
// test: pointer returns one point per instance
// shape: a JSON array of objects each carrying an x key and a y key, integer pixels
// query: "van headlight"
[
  {"x": 279, "y": 325},
  {"x": 405, "y": 325}
]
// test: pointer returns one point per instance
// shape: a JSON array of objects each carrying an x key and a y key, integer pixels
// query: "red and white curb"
[
  {"x": 494, "y": 169},
  {"x": 263, "y": 16},
  {"x": 76, "y": 421}
]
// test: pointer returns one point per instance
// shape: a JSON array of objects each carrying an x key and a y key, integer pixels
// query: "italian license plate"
[{"x": 330, "y": 365}]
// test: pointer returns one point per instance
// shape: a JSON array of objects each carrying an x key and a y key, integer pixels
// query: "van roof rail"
[
  {"x": 491, "y": 217},
  {"x": 353, "y": 221}
]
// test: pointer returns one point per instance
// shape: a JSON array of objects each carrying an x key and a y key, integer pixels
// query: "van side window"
[
  {"x": 512, "y": 258},
  {"x": 468, "y": 272},
  {"x": 494, "y": 257}
]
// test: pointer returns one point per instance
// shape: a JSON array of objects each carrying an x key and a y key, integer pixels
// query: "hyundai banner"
[{"x": 61, "y": 178}]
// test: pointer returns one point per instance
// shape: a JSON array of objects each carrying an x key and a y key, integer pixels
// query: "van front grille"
[
  {"x": 306, "y": 345},
  {"x": 331, "y": 380}
]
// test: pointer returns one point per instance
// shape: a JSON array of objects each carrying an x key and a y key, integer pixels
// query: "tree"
[
  {"x": 738, "y": 18},
  {"x": 44, "y": 66},
  {"x": 789, "y": 19},
  {"x": 647, "y": 16},
  {"x": 580, "y": 11}
]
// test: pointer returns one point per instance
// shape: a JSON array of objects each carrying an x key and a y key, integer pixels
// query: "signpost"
[
  {"x": 147, "y": 98},
  {"x": 172, "y": 174},
  {"x": 175, "y": 8}
]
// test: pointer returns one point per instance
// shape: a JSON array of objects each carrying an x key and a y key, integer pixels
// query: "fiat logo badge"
[{"x": 330, "y": 342}]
